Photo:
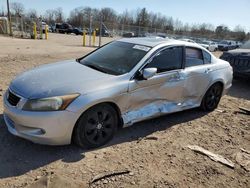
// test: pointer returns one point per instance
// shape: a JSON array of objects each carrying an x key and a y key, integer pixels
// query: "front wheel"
[
  {"x": 96, "y": 126},
  {"x": 212, "y": 97}
]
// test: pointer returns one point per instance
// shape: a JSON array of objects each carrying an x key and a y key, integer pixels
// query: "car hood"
[{"x": 60, "y": 78}]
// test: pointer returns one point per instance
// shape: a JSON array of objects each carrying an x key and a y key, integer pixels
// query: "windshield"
[
  {"x": 115, "y": 58},
  {"x": 246, "y": 45}
]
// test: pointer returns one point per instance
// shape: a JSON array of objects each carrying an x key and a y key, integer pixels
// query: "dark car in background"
[
  {"x": 77, "y": 31},
  {"x": 239, "y": 60},
  {"x": 63, "y": 28}
]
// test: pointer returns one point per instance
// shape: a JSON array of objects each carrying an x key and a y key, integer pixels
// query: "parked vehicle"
[
  {"x": 239, "y": 60},
  {"x": 128, "y": 34},
  {"x": 63, "y": 28},
  {"x": 188, "y": 40},
  {"x": 119, "y": 84},
  {"x": 77, "y": 31},
  {"x": 227, "y": 45},
  {"x": 209, "y": 45}
]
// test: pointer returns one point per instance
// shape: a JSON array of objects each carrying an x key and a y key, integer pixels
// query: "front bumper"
[{"x": 50, "y": 128}]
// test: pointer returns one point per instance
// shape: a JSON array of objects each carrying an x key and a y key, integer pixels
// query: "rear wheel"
[
  {"x": 212, "y": 97},
  {"x": 96, "y": 126}
]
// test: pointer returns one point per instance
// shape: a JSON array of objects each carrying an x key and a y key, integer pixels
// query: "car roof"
[{"x": 155, "y": 41}]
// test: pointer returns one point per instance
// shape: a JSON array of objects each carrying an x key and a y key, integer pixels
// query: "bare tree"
[
  {"x": 239, "y": 33},
  {"x": 221, "y": 31},
  {"x": 126, "y": 18},
  {"x": 59, "y": 16},
  {"x": 17, "y": 8},
  {"x": 49, "y": 16},
  {"x": 142, "y": 17},
  {"x": 2, "y": 12},
  {"x": 32, "y": 13},
  {"x": 108, "y": 15},
  {"x": 77, "y": 16}
]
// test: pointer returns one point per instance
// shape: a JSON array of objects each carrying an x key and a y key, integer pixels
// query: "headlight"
[{"x": 50, "y": 104}]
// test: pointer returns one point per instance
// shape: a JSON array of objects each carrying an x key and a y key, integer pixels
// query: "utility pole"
[{"x": 9, "y": 17}]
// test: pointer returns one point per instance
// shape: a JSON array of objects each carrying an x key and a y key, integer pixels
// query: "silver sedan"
[{"x": 124, "y": 82}]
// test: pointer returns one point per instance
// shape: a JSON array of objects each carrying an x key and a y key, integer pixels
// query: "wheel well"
[
  {"x": 113, "y": 105},
  {"x": 218, "y": 82},
  {"x": 118, "y": 112}
]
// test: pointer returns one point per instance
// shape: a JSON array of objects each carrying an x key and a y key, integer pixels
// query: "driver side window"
[{"x": 168, "y": 59}]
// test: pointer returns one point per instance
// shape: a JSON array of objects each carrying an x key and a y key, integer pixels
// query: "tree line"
[{"x": 140, "y": 20}]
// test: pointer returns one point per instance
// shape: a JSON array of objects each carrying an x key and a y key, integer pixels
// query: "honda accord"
[{"x": 126, "y": 81}]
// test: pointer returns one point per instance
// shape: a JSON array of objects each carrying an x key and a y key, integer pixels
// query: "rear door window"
[
  {"x": 194, "y": 57},
  {"x": 207, "y": 57}
]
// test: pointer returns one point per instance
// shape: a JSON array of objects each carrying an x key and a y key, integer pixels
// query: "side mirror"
[{"x": 149, "y": 73}]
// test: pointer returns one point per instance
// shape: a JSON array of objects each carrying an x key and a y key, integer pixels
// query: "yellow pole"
[
  {"x": 84, "y": 38},
  {"x": 34, "y": 30},
  {"x": 94, "y": 35},
  {"x": 46, "y": 32}
]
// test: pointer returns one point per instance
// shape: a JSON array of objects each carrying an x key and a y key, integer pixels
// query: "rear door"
[{"x": 197, "y": 72}]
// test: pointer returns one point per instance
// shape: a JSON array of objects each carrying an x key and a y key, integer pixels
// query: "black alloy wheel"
[
  {"x": 212, "y": 97},
  {"x": 96, "y": 126}
]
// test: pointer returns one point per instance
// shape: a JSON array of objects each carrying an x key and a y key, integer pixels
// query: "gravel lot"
[{"x": 153, "y": 151}]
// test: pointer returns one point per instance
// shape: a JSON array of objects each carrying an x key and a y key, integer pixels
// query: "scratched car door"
[{"x": 160, "y": 94}]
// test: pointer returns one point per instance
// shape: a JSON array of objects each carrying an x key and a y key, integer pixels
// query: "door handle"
[
  {"x": 208, "y": 70},
  {"x": 175, "y": 77}
]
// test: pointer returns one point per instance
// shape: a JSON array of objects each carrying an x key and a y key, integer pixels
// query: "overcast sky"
[{"x": 228, "y": 12}]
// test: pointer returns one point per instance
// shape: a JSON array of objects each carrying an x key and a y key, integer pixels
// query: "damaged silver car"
[{"x": 124, "y": 82}]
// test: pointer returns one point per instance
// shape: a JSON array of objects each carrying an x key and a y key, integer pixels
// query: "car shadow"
[
  {"x": 240, "y": 89},
  {"x": 19, "y": 156}
]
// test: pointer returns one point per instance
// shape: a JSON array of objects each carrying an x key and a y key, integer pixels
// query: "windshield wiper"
[{"x": 96, "y": 68}]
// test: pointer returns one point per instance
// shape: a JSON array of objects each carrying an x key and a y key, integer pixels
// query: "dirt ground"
[{"x": 153, "y": 153}]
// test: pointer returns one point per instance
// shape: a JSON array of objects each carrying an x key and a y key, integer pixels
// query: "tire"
[
  {"x": 96, "y": 126},
  {"x": 212, "y": 97}
]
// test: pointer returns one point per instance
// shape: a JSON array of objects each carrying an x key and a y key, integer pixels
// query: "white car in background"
[
  {"x": 44, "y": 26},
  {"x": 209, "y": 45},
  {"x": 188, "y": 40}
]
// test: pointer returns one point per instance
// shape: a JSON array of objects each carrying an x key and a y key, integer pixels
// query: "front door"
[{"x": 160, "y": 94}]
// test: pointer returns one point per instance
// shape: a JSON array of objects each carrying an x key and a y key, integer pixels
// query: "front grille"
[{"x": 13, "y": 99}]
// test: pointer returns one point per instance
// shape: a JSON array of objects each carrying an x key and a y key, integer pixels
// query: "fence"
[{"x": 23, "y": 27}]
